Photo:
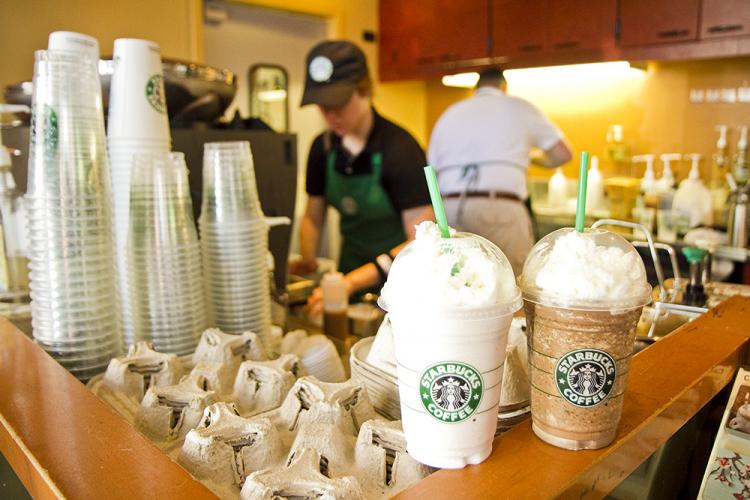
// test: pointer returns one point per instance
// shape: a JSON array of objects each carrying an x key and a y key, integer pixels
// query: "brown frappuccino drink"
[{"x": 583, "y": 296}]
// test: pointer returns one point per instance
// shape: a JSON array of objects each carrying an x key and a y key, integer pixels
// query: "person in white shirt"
[{"x": 481, "y": 148}]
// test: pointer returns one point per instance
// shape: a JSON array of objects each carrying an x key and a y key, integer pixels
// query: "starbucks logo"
[
  {"x": 155, "y": 93},
  {"x": 585, "y": 377},
  {"x": 49, "y": 133},
  {"x": 451, "y": 391},
  {"x": 349, "y": 205}
]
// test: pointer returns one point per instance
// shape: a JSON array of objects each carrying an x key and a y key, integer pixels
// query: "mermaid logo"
[
  {"x": 451, "y": 391},
  {"x": 585, "y": 377},
  {"x": 155, "y": 93}
]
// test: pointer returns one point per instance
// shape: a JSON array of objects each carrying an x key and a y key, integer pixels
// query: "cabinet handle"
[
  {"x": 725, "y": 28},
  {"x": 571, "y": 44},
  {"x": 529, "y": 48},
  {"x": 425, "y": 60},
  {"x": 448, "y": 57},
  {"x": 673, "y": 33}
]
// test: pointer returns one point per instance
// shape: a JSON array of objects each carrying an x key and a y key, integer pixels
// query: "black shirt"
[{"x": 402, "y": 174}]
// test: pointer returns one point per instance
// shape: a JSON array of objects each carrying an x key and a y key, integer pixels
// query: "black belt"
[{"x": 485, "y": 194}]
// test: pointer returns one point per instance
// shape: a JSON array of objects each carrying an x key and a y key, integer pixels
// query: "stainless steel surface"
[
  {"x": 187, "y": 85},
  {"x": 660, "y": 319},
  {"x": 651, "y": 246},
  {"x": 364, "y": 319},
  {"x": 299, "y": 289}
]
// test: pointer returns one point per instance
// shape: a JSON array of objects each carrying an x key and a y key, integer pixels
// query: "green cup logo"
[
  {"x": 451, "y": 391},
  {"x": 155, "y": 93},
  {"x": 585, "y": 377},
  {"x": 49, "y": 133}
]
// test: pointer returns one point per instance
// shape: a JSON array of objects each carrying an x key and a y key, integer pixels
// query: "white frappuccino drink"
[
  {"x": 583, "y": 295},
  {"x": 450, "y": 302}
]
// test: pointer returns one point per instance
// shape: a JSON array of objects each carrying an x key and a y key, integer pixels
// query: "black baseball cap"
[{"x": 333, "y": 70}]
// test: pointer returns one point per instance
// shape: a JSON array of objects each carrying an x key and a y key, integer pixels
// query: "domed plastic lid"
[
  {"x": 464, "y": 271},
  {"x": 597, "y": 270}
]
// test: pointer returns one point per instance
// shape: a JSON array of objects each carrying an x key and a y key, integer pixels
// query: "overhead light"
[
  {"x": 546, "y": 74},
  {"x": 463, "y": 80},
  {"x": 553, "y": 75},
  {"x": 275, "y": 95}
]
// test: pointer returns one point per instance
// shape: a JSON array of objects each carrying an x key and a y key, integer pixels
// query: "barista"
[{"x": 365, "y": 166}]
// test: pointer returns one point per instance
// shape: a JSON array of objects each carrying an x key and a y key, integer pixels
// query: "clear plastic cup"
[
  {"x": 166, "y": 285},
  {"x": 229, "y": 187},
  {"x": 450, "y": 355},
  {"x": 70, "y": 41},
  {"x": 583, "y": 295}
]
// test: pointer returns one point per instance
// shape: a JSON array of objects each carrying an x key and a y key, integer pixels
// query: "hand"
[
  {"x": 314, "y": 305},
  {"x": 302, "y": 267}
]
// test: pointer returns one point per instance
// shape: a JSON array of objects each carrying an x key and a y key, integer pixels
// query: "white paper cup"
[
  {"x": 137, "y": 101},
  {"x": 450, "y": 368}
]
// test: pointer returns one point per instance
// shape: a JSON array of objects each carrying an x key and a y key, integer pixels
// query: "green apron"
[{"x": 370, "y": 225}]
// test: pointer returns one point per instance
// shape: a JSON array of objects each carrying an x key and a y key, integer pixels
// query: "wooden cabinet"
[
  {"x": 416, "y": 35},
  {"x": 551, "y": 27},
  {"x": 519, "y": 27},
  {"x": 722, "y": 18},
  {"x": 646, "y": 22},
  {"x": 428, "y": 38},
  {"x": 582, "y": 25}
]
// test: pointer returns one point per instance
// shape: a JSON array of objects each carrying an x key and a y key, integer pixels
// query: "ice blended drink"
[
  {"x": 450, "y": 302},
  {"x": 583, "y": 294}
]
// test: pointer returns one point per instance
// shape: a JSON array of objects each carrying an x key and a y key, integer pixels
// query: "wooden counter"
[{"x": 62, "y": 441}]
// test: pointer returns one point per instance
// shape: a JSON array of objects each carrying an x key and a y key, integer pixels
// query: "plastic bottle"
[
  {"x": 740, "y": 167},
  {"x": 648, "y": 183},
  {"x": 595, "y": 187},
  {"x": 693, "y": 197},
  {"x": 665, "y": 183},
  {"x": 558, "y": 189},
  {"x": 335, "y": 305},
  {"x": 617, "y": 150},
  {"x": 719, "y": 171},
  {"x": 720, "y": 159},
  {"x": 14, "y": 273}
]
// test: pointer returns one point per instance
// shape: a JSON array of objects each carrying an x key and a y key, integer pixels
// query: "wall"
[
  {"x": 25, "y": 25},
  {"x": 653, "y": 105}
]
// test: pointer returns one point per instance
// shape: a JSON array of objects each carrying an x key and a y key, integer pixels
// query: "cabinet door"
[
  {"x": 581, "y": 24},
  {"x": 456, "y": 30},
  {"x": 519, "y": 28},
  {"x": 401, "y": 24},
  {"x": 725, "y": 18},
  {"x": 645, "y": 22}
]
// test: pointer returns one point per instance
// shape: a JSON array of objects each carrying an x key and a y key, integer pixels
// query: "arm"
[
  {"x": 309, "y": 235},
  {"x": 368, "y": 275},
  {"x": 555, "y": 156}
]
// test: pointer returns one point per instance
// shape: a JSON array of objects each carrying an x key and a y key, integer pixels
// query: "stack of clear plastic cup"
[
  {"x": 234, "y": 241},
  {"x": 166, "y": 279},
  {"x": 71, "y": 261},
  {"x": 137, "y": 124}
]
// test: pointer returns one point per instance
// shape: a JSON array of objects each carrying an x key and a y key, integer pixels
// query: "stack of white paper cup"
[
  {"x": 234, "y": 241},
  {"x": 137, "y": 124},
  {"x": 72, "y": 280},
  {"x": 166, "y": 278}
]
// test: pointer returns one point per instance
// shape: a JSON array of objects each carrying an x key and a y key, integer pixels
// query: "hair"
[
  {"x": 491, "y": 77},
  {"x": 364, "y": 86}
]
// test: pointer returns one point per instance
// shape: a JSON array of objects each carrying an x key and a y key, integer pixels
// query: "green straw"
[
  {"x": 437, "y": 201},
  {"x": 583, "y": 174}
]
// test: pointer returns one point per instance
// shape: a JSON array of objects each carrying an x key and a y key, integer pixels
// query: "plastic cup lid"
[{"x": 593, "y": 270}]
